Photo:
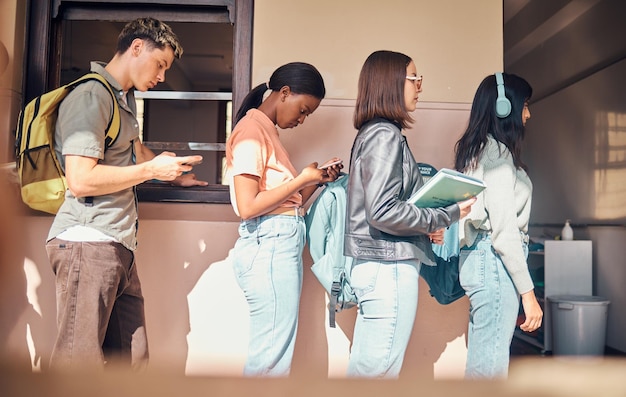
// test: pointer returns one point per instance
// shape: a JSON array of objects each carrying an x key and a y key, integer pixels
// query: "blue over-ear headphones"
[{"x": 503, "y": 105}]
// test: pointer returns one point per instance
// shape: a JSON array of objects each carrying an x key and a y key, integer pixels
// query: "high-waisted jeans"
[
  {"x": 494, "y": 307},
  {"x": 387, "y": 293},
  {"x": 267, "y": 261}
]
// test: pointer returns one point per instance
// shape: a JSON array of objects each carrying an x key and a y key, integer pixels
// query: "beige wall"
[
  {"x": 453, "y": 52},
  {"x": 454, "y": 43},
  {"x": 197, "y": 317},
  {"x": 11, "y": 53}
]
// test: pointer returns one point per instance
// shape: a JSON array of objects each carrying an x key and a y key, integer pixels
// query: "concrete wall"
[
  {"x": 454, "y": 43},
  {"x": 11, "y": 53},
  {"x": 576, "y": 139},
  {"x": 197, "y": 317}
]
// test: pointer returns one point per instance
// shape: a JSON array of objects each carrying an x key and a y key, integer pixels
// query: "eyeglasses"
[{"x": 417, "y": 80}]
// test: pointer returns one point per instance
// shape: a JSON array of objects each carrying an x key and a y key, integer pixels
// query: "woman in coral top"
[{"x": 268, "y": 193}]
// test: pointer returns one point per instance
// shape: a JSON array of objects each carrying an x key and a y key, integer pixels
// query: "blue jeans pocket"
[
  {"x": 244, "y": 255},
  {"x": 363, "y": 277},
  {"x": 264, "y": 238},
  {"x": 472, "y": 269}
]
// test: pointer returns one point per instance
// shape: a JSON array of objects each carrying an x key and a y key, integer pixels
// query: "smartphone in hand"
[
  {"x": 330, "y": 164},
  {"x": 195, "y": 162}
]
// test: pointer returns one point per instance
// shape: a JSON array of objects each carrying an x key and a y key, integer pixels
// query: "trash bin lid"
[{"x": 580, "y": 299}]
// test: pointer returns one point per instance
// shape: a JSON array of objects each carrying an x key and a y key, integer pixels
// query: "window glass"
[{"x": 190, "y": 112}]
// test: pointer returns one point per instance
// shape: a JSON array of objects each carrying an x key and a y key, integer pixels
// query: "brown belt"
[{"x": 294, "y": 211}]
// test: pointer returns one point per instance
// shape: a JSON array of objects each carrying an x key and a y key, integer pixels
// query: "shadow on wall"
[
  {"x": 21, "y": 319},
  {"x": 321, "y": 350},
  {"x": 197, "y": 317},
  {"x": 218, "y": 323}
]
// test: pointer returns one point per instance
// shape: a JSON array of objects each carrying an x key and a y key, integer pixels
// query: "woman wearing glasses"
[
  {"x": 494, "y": 244},
  {"x": 387, "y": 236}
]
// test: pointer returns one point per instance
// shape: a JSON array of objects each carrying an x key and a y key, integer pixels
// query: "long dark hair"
[
  {"x": 300, "y": 77},
  {"x": 484, "y": 122},
  {"x": 381, "y": 89}
]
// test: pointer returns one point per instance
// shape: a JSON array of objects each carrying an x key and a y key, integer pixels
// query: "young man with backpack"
[{"x": 91, "y": 243}]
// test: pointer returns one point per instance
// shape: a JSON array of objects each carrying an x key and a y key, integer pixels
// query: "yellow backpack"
[{"x": 41, "y": 178}]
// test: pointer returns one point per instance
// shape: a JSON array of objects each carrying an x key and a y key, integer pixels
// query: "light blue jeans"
[
  {"x": 268, "y": 267},
  {"x": 494, "y": 307},
  {"x": 387, "y": 293}
]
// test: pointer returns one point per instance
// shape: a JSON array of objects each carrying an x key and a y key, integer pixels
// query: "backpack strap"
[
  {"x": 114, "y": 126},
  {"x": 325, "y": 222},
  {"x": 333, "y": 298}
]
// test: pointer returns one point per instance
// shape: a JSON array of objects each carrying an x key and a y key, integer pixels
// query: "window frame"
[{"x": 42, "y": 59}]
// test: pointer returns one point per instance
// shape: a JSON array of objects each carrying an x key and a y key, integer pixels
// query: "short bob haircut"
[{"x": 381, "y": 89}]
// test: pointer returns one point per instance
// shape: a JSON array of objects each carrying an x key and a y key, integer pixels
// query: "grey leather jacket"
[{"x": 380, "y": 224}]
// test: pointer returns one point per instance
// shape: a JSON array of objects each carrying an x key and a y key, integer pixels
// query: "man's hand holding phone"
[{"x": 193, "y": 160}]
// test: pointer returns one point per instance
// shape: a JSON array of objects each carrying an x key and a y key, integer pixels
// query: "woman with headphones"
[{"x": 494, "y": 243}]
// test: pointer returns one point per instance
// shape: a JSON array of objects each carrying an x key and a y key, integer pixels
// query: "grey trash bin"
[{"x": 578, "y": 324}]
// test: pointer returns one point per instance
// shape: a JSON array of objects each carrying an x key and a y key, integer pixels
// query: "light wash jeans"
[
  {"x": 387, "y": 293},
  {"x": 100, "y": 307},
  {"x": 268, "y": 266},
  {"x": 494, "y": 307}
]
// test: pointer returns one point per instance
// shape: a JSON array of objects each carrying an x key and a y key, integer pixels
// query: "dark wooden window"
[{"x": 189, "y": 112}]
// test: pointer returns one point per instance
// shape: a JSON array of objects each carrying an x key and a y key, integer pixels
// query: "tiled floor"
[{"x": 521, "y": 348}]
